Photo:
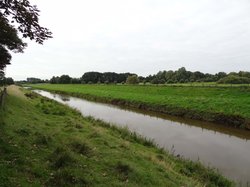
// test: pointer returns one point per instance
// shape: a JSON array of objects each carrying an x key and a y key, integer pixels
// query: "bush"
[
  {"x": 233, "y": 79},
  {"x": 133, "y": 79}
]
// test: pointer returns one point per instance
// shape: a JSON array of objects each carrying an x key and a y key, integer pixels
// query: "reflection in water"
[
  {"x": 217, "y": 146},
  {"x": 64, "y": 97}
]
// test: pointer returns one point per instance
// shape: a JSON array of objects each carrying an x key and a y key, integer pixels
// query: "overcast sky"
[{"x": 139, "y": 36}]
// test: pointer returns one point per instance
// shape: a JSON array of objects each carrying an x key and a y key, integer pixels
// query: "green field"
[
  {"x": 43, "y": 143},
  {"x": 207, "y": 84},
  {"x": 223, "y": 105}
]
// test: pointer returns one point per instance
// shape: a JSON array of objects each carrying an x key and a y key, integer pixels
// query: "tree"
[
  {"x": 234, "y": 79},
  {"x": 54, "y": 80},
  {"x": 6, "y": 81},
  {"x": 18, "y": 17},
  {"x": 91, "y": 77},
  {"x": 133, "y": 79},
  {"x": 9, "y": 81},
  {"x": 181, "y": 74},
  {"x": 220, "y": 75},
  {"x": 65, "y": 79},
  {"x": 244, "y": 74},
  {"x": 34, "y": 80},
  {"x": 75, "y": 81}
]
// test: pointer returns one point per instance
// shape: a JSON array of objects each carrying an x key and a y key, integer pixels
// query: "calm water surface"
[{"x": 221, "y": 147}]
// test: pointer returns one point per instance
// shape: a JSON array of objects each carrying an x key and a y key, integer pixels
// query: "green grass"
[
  {"x": 43, "y": 143},
  {"x": 217, "y": 104},
  {"x": 205, "y": 84}
]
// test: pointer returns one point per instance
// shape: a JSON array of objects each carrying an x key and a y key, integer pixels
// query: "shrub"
[
  {"x": 233, "y": 79},
  {"x": 133, "y": 79}
]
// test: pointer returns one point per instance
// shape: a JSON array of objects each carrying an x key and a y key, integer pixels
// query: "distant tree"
[
  {"x": 149, "y": 78},
  {"x": 169, "y": 76},
  {"x": 65, "y": 79},
  {"x": 170, "y": 81},
  {"x": 232, "y": 79},
  {"x": 208, "y": 78},
  {"x": 9, "y": 81},
  {"x": 142, "y": 79},
  {"x": 161, "y": 76},
  {"x": 75, "y": 81},
  {"x": 181, "y": 74},
  {"x": 220, "y": 75},
  {"x": 233, "y": 73},
  {"x": 6, "y": 81},
  {"x": 54, "y": 80},
  {"x": 133, "y": 79},
  {"x": 109, "y": 77},
  {"x": 92, "y": 77},
  {"x": 18, "y": 18},
  {"x": 123, "y": 77},
  {"x": 197, "y": 75},
  {"x": 33, "y": 80},
  {"x": 154, "y": 81},
  {"x": 106, "y": 77},
  {"x": 244, "y": 74}
]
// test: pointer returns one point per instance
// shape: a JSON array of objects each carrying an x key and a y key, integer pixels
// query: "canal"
[{"x": 214, "y": 145}]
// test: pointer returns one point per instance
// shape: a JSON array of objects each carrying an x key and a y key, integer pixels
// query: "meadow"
[
  {"x": 224, "y": 105},
  {"x": 207, "y": 84},
  {"x": 44, "y": 143}
]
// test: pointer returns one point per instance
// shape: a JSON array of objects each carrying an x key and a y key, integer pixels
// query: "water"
[{"x": 224, "y": 148}]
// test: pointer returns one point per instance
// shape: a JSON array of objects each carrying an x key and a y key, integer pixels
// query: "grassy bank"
[
  {"x": 230, "y": 106},
  {"x": 43, "y": 143},
  {"x": 200, "y": 84}
]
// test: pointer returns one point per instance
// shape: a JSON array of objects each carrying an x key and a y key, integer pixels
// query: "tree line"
[
  {"x": 183, "y": 76},
  {"x": 92, "y": 78},
  {"x": 162, "y": 77},
  {"x": 6, "y": 81}
]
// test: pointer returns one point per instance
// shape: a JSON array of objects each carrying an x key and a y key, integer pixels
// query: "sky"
[{"x": 138, "y": 36}]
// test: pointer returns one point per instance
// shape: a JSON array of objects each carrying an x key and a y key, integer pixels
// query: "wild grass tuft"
[
  {"x": 66, "y": 177},
  {"x": 123, "y": 170},
  {"x": 31, "y": 95},
  {"x": 211, "y": 177},
  {"x": 50, "y": 107},
  {"x": 80, "y": 147},
  {"x": 78, "y": 126},
  {"x": 42, "y": 139},
  {"x": 23, "y": 131},
  {"x": 124, "y": 132},
  {"x": 60, "y": 158}
]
